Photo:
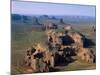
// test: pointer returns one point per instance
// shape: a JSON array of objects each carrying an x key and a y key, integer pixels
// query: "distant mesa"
[{"x": 61, "y": 20}]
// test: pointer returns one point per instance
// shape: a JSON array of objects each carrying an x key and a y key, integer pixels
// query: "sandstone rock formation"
[
  {"x": 60, "y": 48},
  {"x": 86, "y": 54}
]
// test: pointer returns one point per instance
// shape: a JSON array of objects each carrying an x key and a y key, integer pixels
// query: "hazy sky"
[{"x": 32, "y": 8}]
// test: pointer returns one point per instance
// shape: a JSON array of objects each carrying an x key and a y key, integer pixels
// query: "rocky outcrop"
[
  {"x": 39, "y": 58},
  {"x": 86, "y": 54},
  {"x": 59, "y": 49},
  {"x": 75, "y": 47},
  {"x": 77, "y": 38}
]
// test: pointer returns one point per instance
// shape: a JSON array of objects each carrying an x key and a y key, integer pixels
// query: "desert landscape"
[{"x": 52, "y": 43}]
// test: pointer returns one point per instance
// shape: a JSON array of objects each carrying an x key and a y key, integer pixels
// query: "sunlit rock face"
[{"x": 59, "y": 50}]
